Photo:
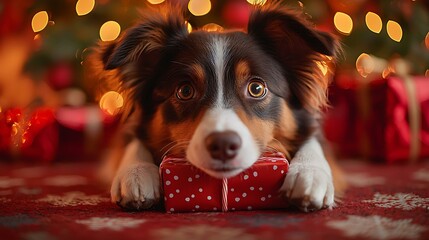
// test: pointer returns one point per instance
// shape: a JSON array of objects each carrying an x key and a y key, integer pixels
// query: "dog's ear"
[
  {"x": 159, "y": 29},
  {"x": 298, "y": 47}
]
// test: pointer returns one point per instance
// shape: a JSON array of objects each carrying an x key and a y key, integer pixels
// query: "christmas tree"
[{"x": 63, "y": 32}]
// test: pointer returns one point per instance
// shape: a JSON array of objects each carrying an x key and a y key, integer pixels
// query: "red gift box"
[
  {"x": 375, "y": 120},
  {"x": 187, "y": 188},
  {"x": 30, "y": 135}
]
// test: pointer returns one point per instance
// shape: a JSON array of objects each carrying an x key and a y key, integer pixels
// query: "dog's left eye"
[
  {"x": 185, "y": 92},
  {"x": 257, "y": 88}
]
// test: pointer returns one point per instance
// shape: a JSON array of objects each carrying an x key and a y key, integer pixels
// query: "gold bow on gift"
[{"x": 367, "y": 65}]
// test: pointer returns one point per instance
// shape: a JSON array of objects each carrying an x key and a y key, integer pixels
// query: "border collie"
[{"x": 220, "y": 99}]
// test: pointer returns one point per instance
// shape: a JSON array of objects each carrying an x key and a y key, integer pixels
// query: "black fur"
[{"x": 155, "y": 56}]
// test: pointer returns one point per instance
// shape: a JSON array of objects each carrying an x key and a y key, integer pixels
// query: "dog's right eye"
[
  {"x": 257, "y": 88},
  {"x": 185, "y": 92}
]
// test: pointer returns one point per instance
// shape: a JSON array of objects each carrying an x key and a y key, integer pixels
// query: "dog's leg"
[
  {"x": 308, "y": 184},
  {"x": 136, "y": 184}
]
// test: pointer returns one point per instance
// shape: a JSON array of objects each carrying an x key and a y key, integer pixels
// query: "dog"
[{"x": 221, "y": 99}]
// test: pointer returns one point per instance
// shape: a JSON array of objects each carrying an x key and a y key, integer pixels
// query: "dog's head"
[{"x": 223, "y": 97}]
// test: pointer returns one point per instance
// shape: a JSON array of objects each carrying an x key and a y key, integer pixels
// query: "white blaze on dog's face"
[{"x": 222, "y": 145}]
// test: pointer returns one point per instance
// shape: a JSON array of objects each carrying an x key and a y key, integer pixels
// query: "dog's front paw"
[
  {"x": 136, "y": 187},
  {"x": 309, "y": 188}
]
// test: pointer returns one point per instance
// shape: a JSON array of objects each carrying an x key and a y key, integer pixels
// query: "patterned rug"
[{"x": 64, "y": 202}]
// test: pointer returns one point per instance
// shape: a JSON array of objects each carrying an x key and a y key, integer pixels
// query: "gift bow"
[{"x": 401, "y": 69}]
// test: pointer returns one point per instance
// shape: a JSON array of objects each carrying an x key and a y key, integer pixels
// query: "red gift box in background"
[
  {"x": 187, "y": 188},
  {"x": 31, "y": 135},
  {"x": 373, "y": 119},
  {"x": 84, "y": 132},
  {"x": 43, "y": 134}
]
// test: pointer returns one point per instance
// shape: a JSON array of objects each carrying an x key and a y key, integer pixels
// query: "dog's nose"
[{"x": 223, "y": 146}]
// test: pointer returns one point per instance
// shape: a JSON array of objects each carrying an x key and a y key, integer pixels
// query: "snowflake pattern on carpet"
[
  {"x": 73, "y": 199},
  {"x": 377, "y": 227},
  {"x": 363, "y": 180},
  {"x": 114, "y": 224},
  {"x": 422, "y": 175},
  {"x": 202, "y": 232},
  {"x": 404, "y": 201},
  {"x": 7, "y": 182}
]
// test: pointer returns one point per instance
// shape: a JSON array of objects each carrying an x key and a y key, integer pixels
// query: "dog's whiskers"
[
  {"x": 183, "y": 145},
  {"x": 272, "y": 148},
  {"x": 172, "y": 142}
]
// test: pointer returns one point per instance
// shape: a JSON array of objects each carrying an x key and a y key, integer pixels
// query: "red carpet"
[{"x": 64, "y": 202}]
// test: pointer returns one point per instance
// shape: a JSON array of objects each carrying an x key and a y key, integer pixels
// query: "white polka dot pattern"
[{"x": 188, "y": 189}]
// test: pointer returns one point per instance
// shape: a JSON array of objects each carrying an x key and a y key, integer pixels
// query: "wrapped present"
[
  {"x": 187, "y": 188},
  {"x": 84, "y": 132},
  {"x": 45, "y": 134},
  {"x": 384, "y": 119},
  {"x": 30, "y": 135}
]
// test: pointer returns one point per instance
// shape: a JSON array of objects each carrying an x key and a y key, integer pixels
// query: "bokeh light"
[
  {"x": 37, "y": 37},
  {"x": 322, "y": 66},
  {"x": 189, "y": 26},
  {"x": 109, "y": 31},
  {"x": 212, "y": 27},
  {"x": 111, "y": 102},
  {"x": 40, "y": 21},
  {"x": 155, "y": 1},
  {"x": 343, "y": 23},
  {"x": 365, "y": 65},
  {"x": 394, "y": 30},
  {"x": 199, "y": 7},
  {"x": 257, "y": 2},
  {"x": 373, "y": 22},
  {"x": 84, "y": 7}
]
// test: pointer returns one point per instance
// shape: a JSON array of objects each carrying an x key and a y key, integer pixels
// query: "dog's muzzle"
[{"x": 223, "y": 146}]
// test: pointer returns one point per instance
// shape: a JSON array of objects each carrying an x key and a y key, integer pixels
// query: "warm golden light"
[
  {"x": 212, "y": 27},
  {"x": 427, "y": 73},
  {"x": 386, "y": 72},
  {"x": 189, "y": 26},
  {"x": 323, "y": 67},
  {"x": 110, "y": 31},
  {"x": 365, "y": 64},
  {"x": 373, "y": 22},
  {"x": 40, "y": 21},
  {"x": 111, "y": 102},
  {"x": 37, "y": 37},
  {"x": 343, "y": 23},
  {"x": 199, "y": 7},
  {"x": 155, "y": 1},
  {"x": 15, "y": 129},
  {"x": 427, "y": 40},
  {"x": 257, "y": 2},
  {"x": 394, "y": 30},
  {"x": 84, "y": 7}
]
